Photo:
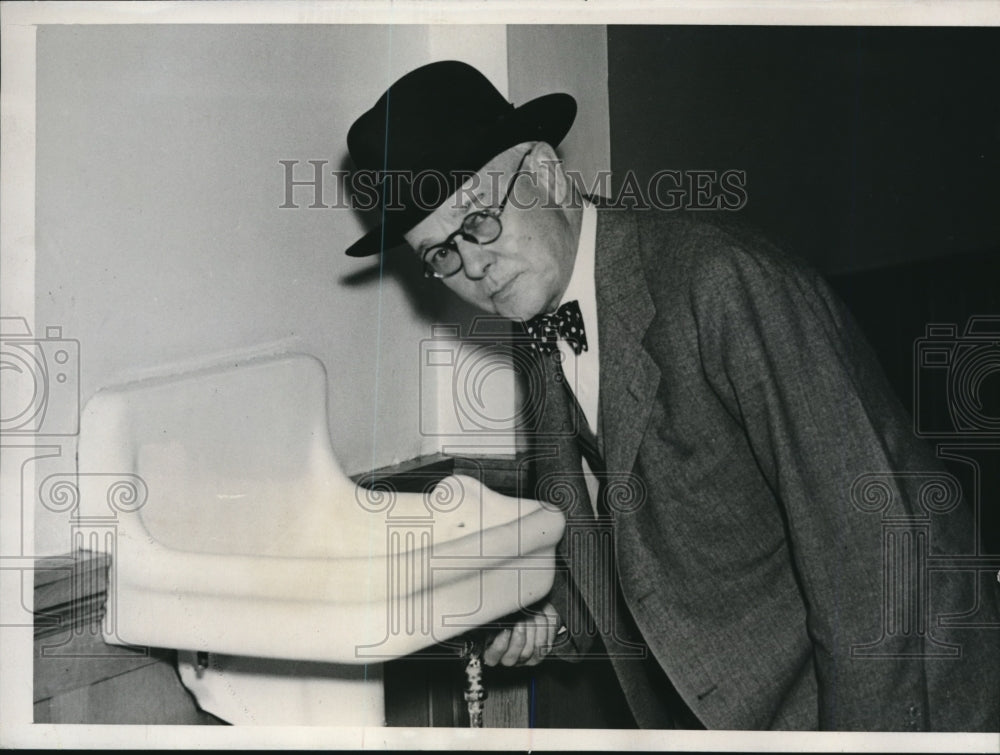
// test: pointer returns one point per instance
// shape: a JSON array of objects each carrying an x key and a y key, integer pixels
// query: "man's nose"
[{"x": 476, "y": 259}]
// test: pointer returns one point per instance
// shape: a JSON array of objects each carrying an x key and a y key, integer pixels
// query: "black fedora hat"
[{"x": 429, "y": 132}]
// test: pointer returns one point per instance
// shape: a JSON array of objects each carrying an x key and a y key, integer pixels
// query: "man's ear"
[{"x": 551, "y": 179}]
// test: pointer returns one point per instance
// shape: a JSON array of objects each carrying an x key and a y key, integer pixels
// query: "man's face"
[{"x": 526, "y": 269}]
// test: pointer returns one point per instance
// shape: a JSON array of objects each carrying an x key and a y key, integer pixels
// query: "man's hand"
[{"x": 528, "y": 641}]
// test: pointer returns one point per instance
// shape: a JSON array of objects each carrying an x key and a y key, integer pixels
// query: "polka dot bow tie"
[{"x": 566, "y": 323}]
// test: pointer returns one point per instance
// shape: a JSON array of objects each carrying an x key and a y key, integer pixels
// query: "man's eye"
[{"x": 438, "y": 254}]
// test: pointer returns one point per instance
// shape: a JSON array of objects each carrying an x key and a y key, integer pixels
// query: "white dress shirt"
[{"x": 583, "y": 371}]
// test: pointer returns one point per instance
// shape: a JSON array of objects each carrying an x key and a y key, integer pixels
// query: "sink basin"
[{"x": 234, "y": 530}]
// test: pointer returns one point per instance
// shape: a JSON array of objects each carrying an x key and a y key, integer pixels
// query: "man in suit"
[{"x": 724, "y": 445}]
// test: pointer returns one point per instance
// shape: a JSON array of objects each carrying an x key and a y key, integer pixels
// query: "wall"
[
  {"x": 862, "y": 147},
  {"x": 573, "y": 59},
  {"x": 160, "y": 241}
]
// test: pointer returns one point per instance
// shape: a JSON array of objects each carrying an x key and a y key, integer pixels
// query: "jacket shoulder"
[{"x": 695, "y": 254}]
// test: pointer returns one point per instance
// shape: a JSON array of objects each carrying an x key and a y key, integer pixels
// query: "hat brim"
[{"x": 545, "y": 119}]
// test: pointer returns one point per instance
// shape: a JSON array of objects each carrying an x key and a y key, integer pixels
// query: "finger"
[
  {"x": 513, "y": 653},
  {"x": 545, "y": 633},
  {"x": 552, "y": 622},
  {"x": 546, "y": 626},
  {"x": 496, "y": 648},
  {"x": 530, "y": 635},
  {"x": 532, "y": 655}
]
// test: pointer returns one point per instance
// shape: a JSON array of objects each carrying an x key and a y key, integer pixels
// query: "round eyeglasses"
[{"x": 481, "y": 227}]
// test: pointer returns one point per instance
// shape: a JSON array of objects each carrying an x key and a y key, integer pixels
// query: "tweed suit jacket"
[{"x": 774, "y": 564}]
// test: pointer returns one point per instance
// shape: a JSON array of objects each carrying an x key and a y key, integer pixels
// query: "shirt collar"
[{"x": 581, "y": 283}]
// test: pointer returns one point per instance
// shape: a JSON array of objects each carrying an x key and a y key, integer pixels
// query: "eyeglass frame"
[{"x": 490, "y": 212}]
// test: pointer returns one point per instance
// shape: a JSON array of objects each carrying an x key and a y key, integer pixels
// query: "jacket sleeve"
[
  {"x": 572, "y": 642},
  {"x": 838, "y": 450}
]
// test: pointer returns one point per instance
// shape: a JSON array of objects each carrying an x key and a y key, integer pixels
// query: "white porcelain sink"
[{"x": 246, "y": 538}]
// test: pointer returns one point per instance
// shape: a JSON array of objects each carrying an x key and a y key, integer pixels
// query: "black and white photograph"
[{"x": 406, "y": 375}]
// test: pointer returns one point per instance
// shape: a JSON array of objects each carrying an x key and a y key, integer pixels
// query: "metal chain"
[{"x": 475, "y": 689}]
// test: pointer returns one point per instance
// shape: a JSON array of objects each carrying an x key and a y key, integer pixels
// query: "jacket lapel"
[{"x": 629, "y": 377}]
